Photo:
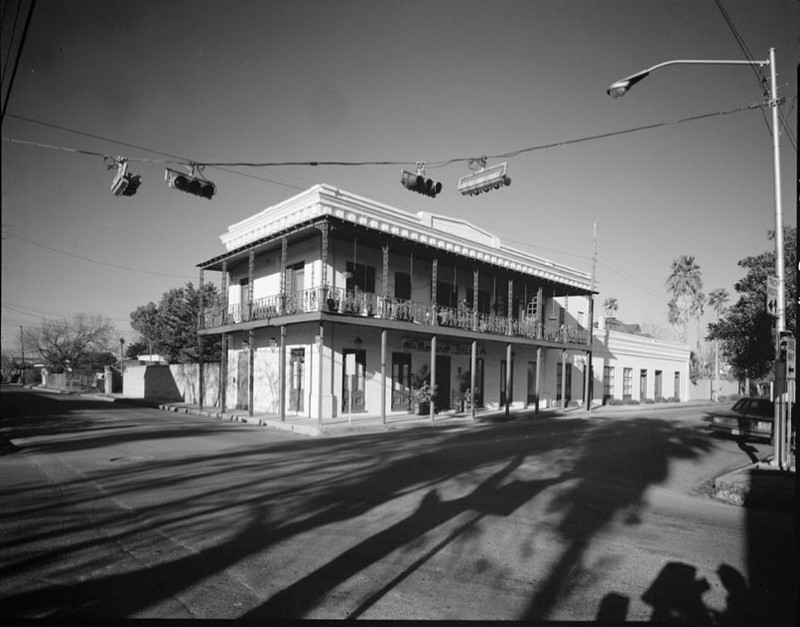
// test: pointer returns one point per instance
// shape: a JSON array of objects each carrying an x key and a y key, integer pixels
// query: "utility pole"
[
  {"x": 22, "y": 350},
  {"x": 587, "y": 377}
]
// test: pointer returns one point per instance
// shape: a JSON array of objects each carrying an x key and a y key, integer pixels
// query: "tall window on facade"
[
  {"x": 567, "y": 383},
  {"x": 354, "y": 379},
  {"x": 608, "y": 382},
  {"x": 677, "y": 384},
  {"x": 484, "y": 300},
  {"x": 643, "y": 384},
  {"x": 402, "y": 285},
  {"x": 401, "y": 381},
  {"x": 244, "y": 298},
  {"x": 296, "y": 379},
  {"x": 627, "y": 383},
  {"x": 658, "y": 393},
  {"x": 446, "y": 294},
  {"x": 360, "y": 277}
]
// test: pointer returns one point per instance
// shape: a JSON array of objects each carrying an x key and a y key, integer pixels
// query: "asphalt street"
[{"x": 117, "y": 511}]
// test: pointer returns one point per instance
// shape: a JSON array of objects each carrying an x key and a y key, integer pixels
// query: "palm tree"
[
  {"x": 610, "y": 306},
  {"x": 717, "y": 300},
  {"x": 685, "y": 283}
]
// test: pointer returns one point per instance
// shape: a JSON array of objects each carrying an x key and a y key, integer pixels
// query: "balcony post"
[
  {"x": 475, "y": 277},
  {"x": 224, "y": 292},
  {"x": 510, "y": 325},
  {"x": 323, "y": 228},
  {"x": 251, "y": 266},
  {"x": 284, "y": 256},
  {"x": 434, "y": 279},
  {"x": 539, "y": 313},
  {"x": 385, "y": 279}
]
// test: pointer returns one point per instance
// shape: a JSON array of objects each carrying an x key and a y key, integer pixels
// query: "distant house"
[
  {"x": 632, "y": 366},
  {"x": 150, "y": 360}
]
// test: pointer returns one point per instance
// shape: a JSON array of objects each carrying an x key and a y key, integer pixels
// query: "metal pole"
[
  {"x": 22, "y": 350},
  {"x": 780, "y": 325},
  {"x": 587, "y": 378}
]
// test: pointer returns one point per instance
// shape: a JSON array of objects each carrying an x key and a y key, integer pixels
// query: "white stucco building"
[{"x": 335, "y": 303}]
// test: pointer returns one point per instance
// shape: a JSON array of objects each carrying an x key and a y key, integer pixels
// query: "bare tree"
[{"x": 64, "y": 343}]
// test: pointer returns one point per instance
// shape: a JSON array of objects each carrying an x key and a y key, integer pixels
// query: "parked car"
[{"x": 748, "y": 418}]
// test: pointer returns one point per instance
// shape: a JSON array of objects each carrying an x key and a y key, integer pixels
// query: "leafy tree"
[
  {"x": 170, "y": 328},
  {"x": 685, "y": 284},
  {"x": 67, "y": 343},
  {"x": 610, "y": 306},
  {"x": 139, "y": 347},
  {"x": 745, "y": 330},
  {"x": 147, "y": 322}
]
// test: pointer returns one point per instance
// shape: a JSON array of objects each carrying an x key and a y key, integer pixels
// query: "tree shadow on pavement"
[{"x": 270, "y": 492}]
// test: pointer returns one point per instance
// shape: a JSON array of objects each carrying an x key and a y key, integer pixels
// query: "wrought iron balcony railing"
[{"x": 356, "y": 303}]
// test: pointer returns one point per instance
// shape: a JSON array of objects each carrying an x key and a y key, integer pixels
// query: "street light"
[{"x": 620, "y": 88}]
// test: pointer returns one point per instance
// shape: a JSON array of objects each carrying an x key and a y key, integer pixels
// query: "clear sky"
[{"x": 374, "y": 80}]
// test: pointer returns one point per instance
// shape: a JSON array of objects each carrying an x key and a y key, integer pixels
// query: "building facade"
[{"x": 334, "y": 304}]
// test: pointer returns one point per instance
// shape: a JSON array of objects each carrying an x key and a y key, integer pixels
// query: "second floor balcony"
[{"x": 341, "y": 302}]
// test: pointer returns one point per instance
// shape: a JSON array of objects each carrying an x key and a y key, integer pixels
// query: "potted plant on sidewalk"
[{"x": 422, "y": 392}]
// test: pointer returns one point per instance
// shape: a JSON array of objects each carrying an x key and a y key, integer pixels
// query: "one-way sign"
[{"x": 772, "y": 296}]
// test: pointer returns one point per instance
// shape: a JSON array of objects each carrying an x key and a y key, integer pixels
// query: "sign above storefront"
[{"x": 414, "y": 345}]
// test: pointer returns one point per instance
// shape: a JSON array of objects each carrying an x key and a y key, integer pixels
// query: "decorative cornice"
[{"x": 449, "y": 234}]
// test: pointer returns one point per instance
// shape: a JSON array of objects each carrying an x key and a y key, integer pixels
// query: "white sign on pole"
[
  {"x": 772, "y": 296},
  {"x": 790, "y": 358}
]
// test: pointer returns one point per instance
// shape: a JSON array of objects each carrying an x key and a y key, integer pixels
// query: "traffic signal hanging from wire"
[
  {"x": 190, "y": 183},
  {"x": 125, "y": 183},
  {"x": 418, "y": 183}
]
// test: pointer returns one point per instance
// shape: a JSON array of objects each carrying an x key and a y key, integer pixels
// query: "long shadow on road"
[{"x": 271, "y": 492}]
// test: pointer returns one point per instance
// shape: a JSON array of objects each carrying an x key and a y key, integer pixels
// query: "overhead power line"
[
  {"x": 361, "y": 163},
  {"x": 95, "y": 261}
]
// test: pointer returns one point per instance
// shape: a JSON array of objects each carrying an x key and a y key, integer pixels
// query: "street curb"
[{"x": 758, "y": 486}]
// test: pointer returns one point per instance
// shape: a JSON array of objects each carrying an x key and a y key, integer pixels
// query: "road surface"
[{"x": 118, "y": 511}]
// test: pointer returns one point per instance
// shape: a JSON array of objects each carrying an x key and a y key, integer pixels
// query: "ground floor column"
[
  {"x": 383, "y": 375},
  {"x": 472, "y": 376},
  {"x": 251, "y": 343},
  {"x": 537, "y": 389},
  {"x": 223, "y": 371},
  {"x": 508, "y": 378},
  {"x": 320, "y": 353},
  {"x": 433, "y": 376},
  {"x": 282, "y": 371}
]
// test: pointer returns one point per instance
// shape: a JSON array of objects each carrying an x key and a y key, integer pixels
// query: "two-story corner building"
[{"x": 333, "y": 303}]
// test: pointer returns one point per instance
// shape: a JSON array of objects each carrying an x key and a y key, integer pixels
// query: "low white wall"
[{"x": 174, "y": 383}]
